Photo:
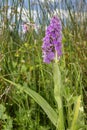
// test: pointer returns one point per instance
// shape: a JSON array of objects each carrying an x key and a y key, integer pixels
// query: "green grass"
[{"x": 21, "y": 63}]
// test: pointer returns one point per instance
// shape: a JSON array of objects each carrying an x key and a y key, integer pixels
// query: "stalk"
[
  {"x": 58, "y": 95},
  {"x": 29, "y": 6}
]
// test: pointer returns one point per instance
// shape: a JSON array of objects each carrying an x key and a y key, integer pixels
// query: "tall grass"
[{"x": 21, "y": 63}]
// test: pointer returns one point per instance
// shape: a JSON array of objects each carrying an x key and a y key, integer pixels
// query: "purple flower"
[
  {"x": 25, "y": 28},
  {"x": 52, "y": 41}
]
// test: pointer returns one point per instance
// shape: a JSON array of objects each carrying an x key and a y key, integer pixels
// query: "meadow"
[{"x": 27, "y": 85}]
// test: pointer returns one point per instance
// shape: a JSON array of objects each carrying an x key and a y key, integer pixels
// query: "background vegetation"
[{"x": 21, "y": 62}]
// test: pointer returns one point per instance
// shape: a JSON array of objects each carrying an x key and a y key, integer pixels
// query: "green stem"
[
  {"x": 29, "y": 5},
  {"x": 58, "y": 96}
]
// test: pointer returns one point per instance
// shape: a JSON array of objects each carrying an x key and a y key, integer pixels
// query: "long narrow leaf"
[
  {"x": 75, "y": 118},
  {"x": 39, "y": 100}
]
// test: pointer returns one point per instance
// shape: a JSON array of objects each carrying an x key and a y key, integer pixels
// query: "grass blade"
[{"x": 77, "y": 106}]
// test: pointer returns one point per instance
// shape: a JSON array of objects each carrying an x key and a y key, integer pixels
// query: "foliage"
[
  {"x": 21, "y": 63},
  {"x": 5, "y": 120}
]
